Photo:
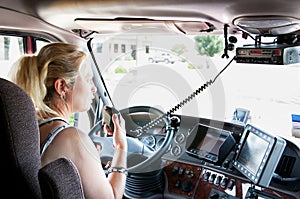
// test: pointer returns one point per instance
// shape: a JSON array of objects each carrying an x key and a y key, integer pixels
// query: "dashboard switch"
[
  {"x": 181, "y": 171},
  {"x": 206, "y": 176},
  {"x": 175, "y": 170},
  {"x": 190, "y": 174},
  {"x": 224, "y": 183},
  {"x": 231, "y": 184},
  {"x": 212, "y": 178},
  {"x": 218, "y": 180}
]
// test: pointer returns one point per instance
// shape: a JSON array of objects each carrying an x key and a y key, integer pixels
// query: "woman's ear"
[{"x": 60, "y": 86}]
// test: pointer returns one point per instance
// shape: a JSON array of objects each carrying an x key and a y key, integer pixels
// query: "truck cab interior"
[{"x": 209, "y": 90}]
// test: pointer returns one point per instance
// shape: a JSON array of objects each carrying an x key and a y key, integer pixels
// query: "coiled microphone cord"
[{"x": 138, "y": 132}]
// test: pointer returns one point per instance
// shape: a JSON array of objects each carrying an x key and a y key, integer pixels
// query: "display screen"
[
  {"x": 253, "y": 152},
  {"x": 211, "y": 142},
  {"x": 258, "y": 154}
]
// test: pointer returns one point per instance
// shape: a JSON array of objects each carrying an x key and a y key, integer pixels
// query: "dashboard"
[{"x": 215, "y": 159}]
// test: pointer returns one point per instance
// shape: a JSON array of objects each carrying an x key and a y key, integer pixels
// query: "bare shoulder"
[
  {"x": 75, "y": 133},
  {"x": 74, "y": 142}
]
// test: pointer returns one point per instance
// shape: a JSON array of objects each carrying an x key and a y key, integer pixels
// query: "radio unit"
[{"x": 268, "y": 54}]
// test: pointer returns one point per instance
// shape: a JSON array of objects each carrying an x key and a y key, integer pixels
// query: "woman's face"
[{"x": 84, "y": 89}]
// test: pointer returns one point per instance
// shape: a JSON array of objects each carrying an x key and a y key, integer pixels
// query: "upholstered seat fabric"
[
  {"x": 53, "y": 174},
  {"x": 19, "y": 143},
  {"x": 20, "y": 167}
]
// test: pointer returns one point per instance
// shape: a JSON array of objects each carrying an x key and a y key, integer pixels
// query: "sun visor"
[{"x": 104, "y": 26}]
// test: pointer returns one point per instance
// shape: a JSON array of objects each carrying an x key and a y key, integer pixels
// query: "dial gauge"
[
  {"x": 159, "y": 143},
  {"x": 149, "y": 141}
]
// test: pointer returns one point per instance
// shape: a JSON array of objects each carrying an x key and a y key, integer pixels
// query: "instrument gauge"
[
  {"x": 148, "y": 140},
  {"x": 159, "y": 143}
]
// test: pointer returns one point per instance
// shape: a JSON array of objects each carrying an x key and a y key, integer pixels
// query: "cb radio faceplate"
[{"x": 268, "y": 54}]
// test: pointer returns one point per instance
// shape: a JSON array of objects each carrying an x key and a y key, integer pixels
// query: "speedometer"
[{"x": 149, "y": 141}]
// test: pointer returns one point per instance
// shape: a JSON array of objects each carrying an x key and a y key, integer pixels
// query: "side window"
[
  {"x": 11, "y": 48},
  {"x": 40, "y": 44}
]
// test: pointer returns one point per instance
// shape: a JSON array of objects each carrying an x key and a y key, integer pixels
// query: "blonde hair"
[{"x": 36, "y": 73}]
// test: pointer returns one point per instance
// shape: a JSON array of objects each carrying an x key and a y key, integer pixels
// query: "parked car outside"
[{"x": 163, "y": 57}]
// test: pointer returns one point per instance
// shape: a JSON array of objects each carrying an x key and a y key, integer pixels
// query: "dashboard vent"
[{"x": 285, "y": 166}]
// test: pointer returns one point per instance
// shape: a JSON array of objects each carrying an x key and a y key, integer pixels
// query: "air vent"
[{"x": 285, "y": 166}]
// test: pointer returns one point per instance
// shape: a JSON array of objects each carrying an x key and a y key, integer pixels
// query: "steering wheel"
[{"x": 140, "y": 158}]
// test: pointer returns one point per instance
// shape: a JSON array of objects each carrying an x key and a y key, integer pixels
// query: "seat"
[
  {"x": 20, "y": 153},
  {"x": 57, "y": 172}
]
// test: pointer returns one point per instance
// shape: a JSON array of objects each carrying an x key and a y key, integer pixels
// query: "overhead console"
[{"x": 258, "y": 154}]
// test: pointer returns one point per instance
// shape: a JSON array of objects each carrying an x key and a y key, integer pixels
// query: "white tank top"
[{"x": 52, "y": 135}]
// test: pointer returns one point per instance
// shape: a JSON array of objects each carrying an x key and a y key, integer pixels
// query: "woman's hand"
[{"x": 119, "y": 133}]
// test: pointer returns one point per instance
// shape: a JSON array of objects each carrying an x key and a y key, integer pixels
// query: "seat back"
[
  {"x": 56, "y": 175},
  {"x": 20, "y": 166},
  {"x": 19, "y": 143}
]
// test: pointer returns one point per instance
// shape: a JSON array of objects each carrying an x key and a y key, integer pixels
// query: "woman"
[{"x": 59, "y": 82}]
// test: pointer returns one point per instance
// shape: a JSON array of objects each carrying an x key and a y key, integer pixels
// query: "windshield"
[{"x": 163, "y": 70}]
